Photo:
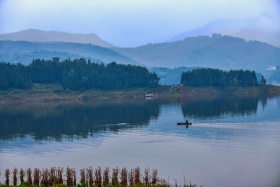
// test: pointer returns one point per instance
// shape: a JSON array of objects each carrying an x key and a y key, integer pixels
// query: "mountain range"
[
  {"x": 215, "y": 51},
  {"x": 35, "y": 35},
  {"x": 262, "y": 27},
  {"x": 25, "y": 51}
]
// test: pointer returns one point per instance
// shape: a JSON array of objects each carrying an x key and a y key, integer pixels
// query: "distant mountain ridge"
[
  {"x": 262, "y": 27},
  {"x": 35, "y": 35},
  {"x": 217, "y": 51},
  {"x": 24, "y": 52}
]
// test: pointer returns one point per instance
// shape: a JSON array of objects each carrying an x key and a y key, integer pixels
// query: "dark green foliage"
[
  {"x": 263, "y": 80},
  {"x": 76, "y": 75},
  {"x": 206, "y": 77},
  {"x": 14, "y": 76},
  {"x": 82, "y": 75}
]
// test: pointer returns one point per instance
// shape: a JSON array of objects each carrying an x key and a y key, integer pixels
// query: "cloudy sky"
[{"x": 130, "y": 22}]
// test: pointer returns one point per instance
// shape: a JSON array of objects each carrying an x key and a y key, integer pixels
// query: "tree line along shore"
[{"x": 78, "y": 79}]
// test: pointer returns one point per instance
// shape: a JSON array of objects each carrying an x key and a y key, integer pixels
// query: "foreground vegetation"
[{"x": 88, "y": 178}]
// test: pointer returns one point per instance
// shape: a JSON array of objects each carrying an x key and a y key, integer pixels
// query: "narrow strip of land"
[{"x": 52, "y": 93}]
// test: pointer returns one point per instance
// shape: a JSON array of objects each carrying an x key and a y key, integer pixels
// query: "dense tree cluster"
[
  {"x": 79, "y": 74},
  {"x": 14, "y": 76},
  {"x": 217, "y": 78}
]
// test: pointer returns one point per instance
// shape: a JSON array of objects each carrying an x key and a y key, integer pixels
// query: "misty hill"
[
  {"x": 262, "y": 27},
  {"x": 24, "y": 52},
  {"x": 221, "y": 52},
  {"x": 34, "y": 35}
]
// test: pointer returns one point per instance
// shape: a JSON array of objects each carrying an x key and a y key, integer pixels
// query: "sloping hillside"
[
  {"x": 223, "y": 52},
  {"x": 24, "y": 52},
  {"x": 34, "y": 35}
]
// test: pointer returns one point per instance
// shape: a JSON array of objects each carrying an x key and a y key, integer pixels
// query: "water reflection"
[
  {"x": 73, "y": 120},
  {"x": 83, "y": 120},
  {"x": 234, "y": 106}
]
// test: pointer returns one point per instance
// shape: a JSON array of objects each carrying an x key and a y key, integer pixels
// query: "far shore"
[{"x": 55, "y": 94}]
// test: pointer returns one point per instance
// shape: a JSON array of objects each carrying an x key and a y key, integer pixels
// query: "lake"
[{"x": 232, "y": 142}]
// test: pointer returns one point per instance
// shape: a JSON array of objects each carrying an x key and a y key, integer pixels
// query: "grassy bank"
[{"x": 52, "y": 93}]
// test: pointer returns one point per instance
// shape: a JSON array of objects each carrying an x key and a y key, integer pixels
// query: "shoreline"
[{"x": 48, "y": 94}]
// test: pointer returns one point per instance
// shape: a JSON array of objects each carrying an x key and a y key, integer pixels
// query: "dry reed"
[
  {"x": 59, "y": 176},
  {"x": 115, "y": 179},
  {"x": 137, "y": 176},
  {"x": 7, "y": 176},
  {"x": 69, "y": 177},
  {"x": 154, "y": 177},
  {"x": 15, "y": 172},
  {"x": 106, "y": 176},
  {"x": 83, "y": 176},
  {"x": 124, "y": 177},
  {"x": 54, "y": 177},
  {"x": 131, "y": 177},
  {"x": 45, "y": 177},
  {"x": 36, "y": 177},
  {"x": 74, "y": 177},
  {"x": 21, "y": 175},
  {"x": 146, "y": 178},
  {"x": 29, "y": 176},
  {"x": 90, "y": 176},
  {"x": 98, "y": 177}
]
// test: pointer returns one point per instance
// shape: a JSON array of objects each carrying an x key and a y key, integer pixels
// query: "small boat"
[{"x": 184, "y": 123}]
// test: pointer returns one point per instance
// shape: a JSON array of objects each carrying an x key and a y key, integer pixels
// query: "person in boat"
[{"x": 187, "y": 121}]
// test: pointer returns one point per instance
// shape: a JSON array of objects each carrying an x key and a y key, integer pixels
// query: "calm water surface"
[{"x": 232, "y": 142}]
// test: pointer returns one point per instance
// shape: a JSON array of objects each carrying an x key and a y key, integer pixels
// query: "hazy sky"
[{"x": 127, "y": 22}]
